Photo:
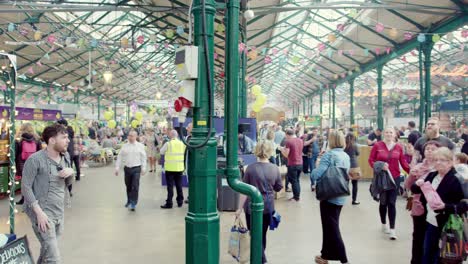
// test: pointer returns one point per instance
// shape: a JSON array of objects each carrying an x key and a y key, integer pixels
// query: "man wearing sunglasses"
[{"x": 46, "y": 177}]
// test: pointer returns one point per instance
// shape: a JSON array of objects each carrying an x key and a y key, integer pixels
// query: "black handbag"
[{"x": 334, "y": 183}]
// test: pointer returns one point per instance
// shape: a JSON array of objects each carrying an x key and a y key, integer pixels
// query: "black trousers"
[
  {"x": 419, "y": 232},
  {"x": 266, "y": 224},
  {"x": 132, "y": 182},
  {"x": 388, "y": 201},
  {"x": 76, "y": 162},
  {"x": 174, "y": 177},
  {"x": 355, "y": 189},
  {"x": 333, "y": 247}
]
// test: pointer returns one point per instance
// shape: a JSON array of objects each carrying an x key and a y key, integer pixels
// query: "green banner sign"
[{"x": 313, "y": 121}]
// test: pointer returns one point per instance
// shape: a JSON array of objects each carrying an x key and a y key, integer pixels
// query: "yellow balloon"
[
  {"x": 135, "y": 123},
  {"x": 256, "y": 108},
  {"x": 139, "y": 116},
  {"x": 256, "y": 89},
  {"x": 112, "y": 124},
  {"x": 37, "y": 35},
  {"x": 124, "y": 123},
  {"x": 108, "y": 115},
  {"x": 261, "y": 99}
]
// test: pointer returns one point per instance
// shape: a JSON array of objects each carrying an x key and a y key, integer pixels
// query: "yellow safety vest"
[{"x": 174, "y": 156}]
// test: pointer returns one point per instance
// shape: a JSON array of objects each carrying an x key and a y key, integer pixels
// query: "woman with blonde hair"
[
  {"x": 270, "y": 139},
  {"x": 447, "y": 185},
  {"x": 392, "y": 155},
  {"x": 266, "y": 177},
  {"x": 333, "y": 247},
  {"x": 27, "y": 142}
]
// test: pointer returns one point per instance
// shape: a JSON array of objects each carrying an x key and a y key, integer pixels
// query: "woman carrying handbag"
[
  {"x": 266, "y": 177},
  {"x": 333, "y": 247},
  {"x": 354, "y": 172}
]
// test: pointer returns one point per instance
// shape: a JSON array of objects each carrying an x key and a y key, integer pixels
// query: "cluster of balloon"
[
  {"x": 135, "y": 123},
  {"x": 260, "y": 98},
  {"x": 108, "y": 115}
]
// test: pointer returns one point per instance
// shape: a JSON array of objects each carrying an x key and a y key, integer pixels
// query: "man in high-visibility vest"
[{"x": 174, "y": 152}]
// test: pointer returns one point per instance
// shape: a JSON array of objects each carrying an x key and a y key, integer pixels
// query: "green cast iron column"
[
  {"x": 311, "y": 110},
  {"x": 427, "y": 49},
  {"x": 421, "y": 89},
  {"x": 321, "y": 110},
  {"x": 464, "y": 103},
  {"x": 380, "y": 122},
  {"x": 334, "y": 106},
  {"x": 202, "y": 220},
  {"x": 243, "y": 82},
  {"x": 9, "y": 76},
  {"x": 99, "y": 107},
  {"x": 128, "y": 112},
  {"x": 115, "y": 110},
  {"x": 330, "y": 121},
  {"x": 303, "y": 107},
  {"x": 48, "y": 95},
  {"x": 351, "y": 102},
  {"x": 231, "y": 124}
]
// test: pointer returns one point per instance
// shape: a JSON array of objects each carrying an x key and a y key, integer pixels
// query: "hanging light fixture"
[
  {"x": 158, "y": 95},
  {"x": 107, "y": 76}
]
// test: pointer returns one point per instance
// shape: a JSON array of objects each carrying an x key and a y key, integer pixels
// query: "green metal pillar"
[
  {"x": 8, "y": 74},
  {"x": 311, "y": 104},
  {"x": 351, "y": 102},
  {"x": 421, "y": 89},
  {"x": 48, "y": 95},
  {"x": 202, "y": 220},
  {"x": 303, "y": 107},
  {"x": 115, "y": 110},
  {"x": 334, "y": 106},
  {"x": 321, "y": 110},
  {"x": 128, "y": 111},
  {"x": 380, "y": 121},
  {"x": 243, "y": 74},
  {"x": 464, "y": 93},
  {"x": 427, "y": 49},
  {"x": 231, "y": 124},
  {"x": 330, "y": 122},
  {"x": 99, "y": 107}
]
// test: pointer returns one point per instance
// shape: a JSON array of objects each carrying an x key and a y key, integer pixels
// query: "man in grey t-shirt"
[
  {"x": 432, "y": 133},
  {"x": 46, "y": 176}
]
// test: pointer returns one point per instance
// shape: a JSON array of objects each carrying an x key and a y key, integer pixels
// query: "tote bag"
[
  {"x": 239, "y": 242},
  {"x": 334, "y": 183}
]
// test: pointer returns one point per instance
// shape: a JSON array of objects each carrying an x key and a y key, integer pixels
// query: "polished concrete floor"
[{"x": 98, "y": 229}]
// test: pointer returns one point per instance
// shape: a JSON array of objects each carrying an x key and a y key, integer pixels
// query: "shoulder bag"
[{"x": 334, "y": 183}]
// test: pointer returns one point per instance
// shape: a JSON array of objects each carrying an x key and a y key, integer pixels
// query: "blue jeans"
[
  {"x": 312, "y": 162},
  {"x": 431, "y": 245},
  {"x": 293, "y": 176}
]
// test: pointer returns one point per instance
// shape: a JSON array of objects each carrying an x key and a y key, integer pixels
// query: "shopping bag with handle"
[{"x": 239, "y": 242}]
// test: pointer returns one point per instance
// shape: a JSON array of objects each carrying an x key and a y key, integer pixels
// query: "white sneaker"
[
  {"x": 385, "y": 229},
  {"x": 393, "y": 235}
]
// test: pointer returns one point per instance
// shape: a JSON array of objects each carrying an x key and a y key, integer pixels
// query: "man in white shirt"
[{"x": 132, "y": 156}]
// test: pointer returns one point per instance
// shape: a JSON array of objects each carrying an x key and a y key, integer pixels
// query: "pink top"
[{"x": 393, "y": 157}]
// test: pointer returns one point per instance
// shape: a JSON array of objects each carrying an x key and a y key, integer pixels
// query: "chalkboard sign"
[{"x": 16, "y": 252}]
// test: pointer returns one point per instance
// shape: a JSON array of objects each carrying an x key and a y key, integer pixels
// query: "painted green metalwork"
[
  {"x": 427, "y": 49},
  {"x": 333, "y": 106},
  {"x": 99, "y": 107},
  {"x": 8, "y": 75},
  {"x": 421, "y": 89},
  {"x": 441, "y": 29},
  {"x": 351, "y": 102},
  {"x": 380, "y": 119},
  {"x": 395, "y": 44},
  {"x": 414, "y": 23},
  {"x": 231, "y": 115},
  {"x": 202, "y": 220}
]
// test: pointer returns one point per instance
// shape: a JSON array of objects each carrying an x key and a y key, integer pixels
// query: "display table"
[{"x": 367, "y": 171}]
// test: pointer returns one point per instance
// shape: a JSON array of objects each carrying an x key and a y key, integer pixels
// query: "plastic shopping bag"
[{"x": 239, "y": 242}]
